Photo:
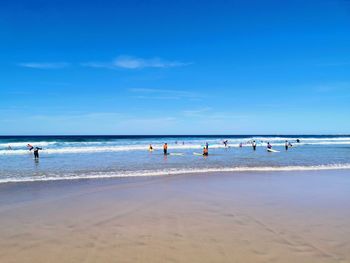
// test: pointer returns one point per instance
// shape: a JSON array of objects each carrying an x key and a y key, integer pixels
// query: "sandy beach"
[{"x": 227, "y": 217}]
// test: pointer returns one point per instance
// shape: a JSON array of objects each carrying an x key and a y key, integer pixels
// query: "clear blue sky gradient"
[{"x": 174, "y": 67}]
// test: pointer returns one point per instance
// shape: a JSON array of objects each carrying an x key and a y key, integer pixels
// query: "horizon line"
[{"x": 174, "y": 135}]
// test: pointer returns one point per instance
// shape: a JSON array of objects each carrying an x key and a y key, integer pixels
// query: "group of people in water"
[
  {"x": 165, "y": 147},
  {"x": 225, "y": 142}
]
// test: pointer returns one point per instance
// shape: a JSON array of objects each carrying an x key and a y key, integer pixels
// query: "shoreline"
[{"x": 174, "y": 172}]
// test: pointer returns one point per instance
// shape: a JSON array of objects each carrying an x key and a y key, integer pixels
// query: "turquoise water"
[{"x": 73, "y": 157}]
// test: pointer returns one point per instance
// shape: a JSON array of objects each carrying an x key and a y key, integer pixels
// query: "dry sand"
[{"x": 241, "y": 217}]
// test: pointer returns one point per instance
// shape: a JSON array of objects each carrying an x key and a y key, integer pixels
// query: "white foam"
[
  {"x": 144, "y": 147},
  {"x": 120, "y": 145},
  {"x": 177, "y": 172},
  {"x": 118, "y": 148}
]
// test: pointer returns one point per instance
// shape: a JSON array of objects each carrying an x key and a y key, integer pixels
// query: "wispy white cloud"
[
  {"x": 134, "y": 63},
  {"x": 147, "y": 93},
  {"x": 126, "y": 62},
  {"x": 44, "y": 65},
  {"x": 129, "y": 62},
  {"x": 197, "y": 112}
]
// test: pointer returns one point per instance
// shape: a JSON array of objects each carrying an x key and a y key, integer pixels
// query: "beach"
[
  {"x": 174, "y": 131},
  {"x": 295, "y": 216}
]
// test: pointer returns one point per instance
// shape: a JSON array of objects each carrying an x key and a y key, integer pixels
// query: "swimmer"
[
  {"x": 254, "y": 145},
  {"x": 165, "y": 148},
  {"x": 269, "y": 146},
  {"x": 205, "y": 151},
  {"x": 150, "y": 148}
]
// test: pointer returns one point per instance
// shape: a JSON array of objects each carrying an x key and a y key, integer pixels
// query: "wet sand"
[{"x": 228, "y": 217}]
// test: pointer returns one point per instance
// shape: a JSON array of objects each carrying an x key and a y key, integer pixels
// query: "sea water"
[{"x": 75, "y": 157}]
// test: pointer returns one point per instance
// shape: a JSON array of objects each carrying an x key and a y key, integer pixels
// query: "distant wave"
[
  {"x": 24, "y": 144},
  {"x": 146, "y": 173}
]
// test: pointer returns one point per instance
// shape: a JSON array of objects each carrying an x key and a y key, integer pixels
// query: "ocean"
[{"x": 78, "y": 157}]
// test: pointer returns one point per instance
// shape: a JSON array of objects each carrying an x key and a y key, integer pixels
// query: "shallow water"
[{"x": 71, "y": 157}]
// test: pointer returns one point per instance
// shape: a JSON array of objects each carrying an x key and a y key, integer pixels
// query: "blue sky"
[{"x": 174, "y": 67}]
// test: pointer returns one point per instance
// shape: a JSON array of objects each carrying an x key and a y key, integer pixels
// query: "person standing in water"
[
  {"x": 254, "y": 145},
  {"x": 150, "y": 148},
  {"x": 286, "y": 145},
  {"x": 207, "y": 145},
  {"x": 165, "y": 148},
  {"x": 205, "y": 151},
  {"x": 36, "y": 152},
  {"x": 269, "y": 146}
]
